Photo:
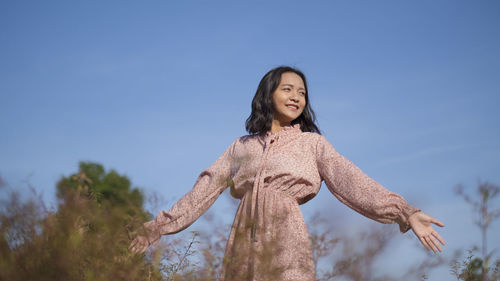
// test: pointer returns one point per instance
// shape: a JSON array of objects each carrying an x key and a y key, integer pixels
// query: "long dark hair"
[{"x": 260, "y": 120}]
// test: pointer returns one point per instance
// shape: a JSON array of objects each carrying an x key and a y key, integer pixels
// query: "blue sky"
[{"x": 157, "y": 90}]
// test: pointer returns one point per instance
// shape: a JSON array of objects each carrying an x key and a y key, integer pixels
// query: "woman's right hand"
[{"x": 139, "y": 245}]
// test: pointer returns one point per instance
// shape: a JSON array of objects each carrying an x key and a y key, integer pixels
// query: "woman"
[{"x": 274, "y": 169}]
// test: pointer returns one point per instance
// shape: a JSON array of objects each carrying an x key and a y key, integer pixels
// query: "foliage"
[
  {"x": 478, "y": 268},
  {"x": 85, "y": 239},
  {"x": 357, "y": 255},
  {"x": 109, "y": 188}
]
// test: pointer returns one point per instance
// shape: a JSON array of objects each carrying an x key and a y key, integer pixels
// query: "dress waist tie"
[{"x": 255, "y": 191}]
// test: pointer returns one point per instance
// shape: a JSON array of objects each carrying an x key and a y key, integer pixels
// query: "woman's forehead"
[{"x": 292, "y": 79}]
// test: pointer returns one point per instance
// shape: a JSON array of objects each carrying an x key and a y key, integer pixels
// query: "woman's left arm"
[{"x": 366, "y": 196}]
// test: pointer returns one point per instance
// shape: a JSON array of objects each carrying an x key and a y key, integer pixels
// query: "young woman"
[{"x": 273, "y": 170}]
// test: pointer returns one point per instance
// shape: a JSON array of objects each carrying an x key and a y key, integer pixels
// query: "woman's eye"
[
  {"x": 286, "y": 89},
  {"x": 302, "y": 93}
]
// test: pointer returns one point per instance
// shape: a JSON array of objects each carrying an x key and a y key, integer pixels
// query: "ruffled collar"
[{"x": 285, "y": 131}]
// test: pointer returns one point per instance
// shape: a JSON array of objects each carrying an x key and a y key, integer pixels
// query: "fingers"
[
  {"x": 426, "y": 245},
  {"x": 431, "y": 242},
  {"x": 438, "y": 237},
  {"x": 138, "y": 245},
  {"x": 435, "y": 244},
  {"x": 133, "y": 246},
  {"x": 138, "y": 249}
]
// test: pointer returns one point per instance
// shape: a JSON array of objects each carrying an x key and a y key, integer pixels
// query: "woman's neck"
[{"x": 277, "y": 126}]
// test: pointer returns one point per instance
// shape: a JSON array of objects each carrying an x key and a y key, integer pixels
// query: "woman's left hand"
[{"x": 421, "y": 224}]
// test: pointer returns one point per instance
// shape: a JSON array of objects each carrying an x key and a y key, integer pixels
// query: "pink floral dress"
[{"x": 272, "y": 175}]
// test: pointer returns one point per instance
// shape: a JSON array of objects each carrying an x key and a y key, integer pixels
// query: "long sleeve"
[
  {"x": 209, "y": 185},
  {"x": 358, "y": 191}
]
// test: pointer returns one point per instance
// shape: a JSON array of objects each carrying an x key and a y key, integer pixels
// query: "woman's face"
[{"x": 289, "y": 99}]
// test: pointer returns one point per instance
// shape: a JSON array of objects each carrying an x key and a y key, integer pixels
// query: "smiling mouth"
[{"x": 292, "y": 106}]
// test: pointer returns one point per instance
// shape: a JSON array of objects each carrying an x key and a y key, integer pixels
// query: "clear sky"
[{"x": 407, "y": 90}]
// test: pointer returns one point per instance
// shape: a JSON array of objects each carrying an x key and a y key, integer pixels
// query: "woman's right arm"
[{"x": 210, "y": 184}]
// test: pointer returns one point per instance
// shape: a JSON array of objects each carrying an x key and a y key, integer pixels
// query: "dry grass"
[{"x": 86, "y": 239}]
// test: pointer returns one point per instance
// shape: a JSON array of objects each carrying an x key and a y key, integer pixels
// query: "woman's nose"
[{"x": 294, "y": 97}]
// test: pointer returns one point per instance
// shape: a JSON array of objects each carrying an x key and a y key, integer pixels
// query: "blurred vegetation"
[
  {"x": 87, "y": 238},
  {"x": 92, "y": 182},
  {"x": 475, "y": 268}
]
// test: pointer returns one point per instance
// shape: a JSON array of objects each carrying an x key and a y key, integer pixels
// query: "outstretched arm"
[
  {"x": 421, "y": 224},
  {"x": 210, "y": 184},
  {"x": 358, "y": 191},
  {"x": 363, "y": 194}
]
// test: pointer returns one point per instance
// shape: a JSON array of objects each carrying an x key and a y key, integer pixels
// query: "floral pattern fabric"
[{"x": 273, "y": 174}]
